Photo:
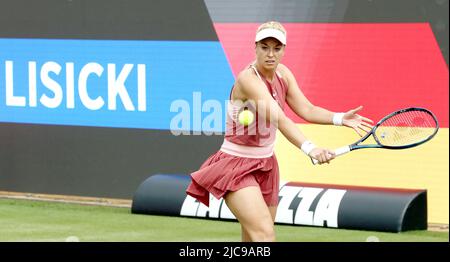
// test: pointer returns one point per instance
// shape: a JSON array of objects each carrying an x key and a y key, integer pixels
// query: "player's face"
[{"x": 269, "y": 52}]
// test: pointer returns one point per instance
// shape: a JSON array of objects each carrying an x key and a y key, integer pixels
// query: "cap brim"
[{"x": 270, "y": 32}]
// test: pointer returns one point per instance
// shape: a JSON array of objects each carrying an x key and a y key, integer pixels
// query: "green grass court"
[{"x": 26, "y": 220}]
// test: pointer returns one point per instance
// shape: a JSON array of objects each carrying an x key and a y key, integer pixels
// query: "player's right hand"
[{"x": 322, "y": 155}]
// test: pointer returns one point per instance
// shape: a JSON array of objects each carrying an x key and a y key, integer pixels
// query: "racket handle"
[
  {"x": 338, "y": 152},
  {"x": 342, "y": 150}
]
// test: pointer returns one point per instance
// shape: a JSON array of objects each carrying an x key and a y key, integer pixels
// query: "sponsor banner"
[
  {"x": 314, "y": 206},
  {"x": 335, "y": 206}
]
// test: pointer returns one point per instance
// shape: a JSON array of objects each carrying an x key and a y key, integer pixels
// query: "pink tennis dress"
[{"x": 246, "y": 157}]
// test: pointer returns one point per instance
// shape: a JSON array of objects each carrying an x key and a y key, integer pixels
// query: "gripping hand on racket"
[{"x": 322, "y": 155}]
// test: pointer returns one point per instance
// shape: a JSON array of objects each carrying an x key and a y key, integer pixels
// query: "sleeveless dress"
[{"x": 246, "y": 157}]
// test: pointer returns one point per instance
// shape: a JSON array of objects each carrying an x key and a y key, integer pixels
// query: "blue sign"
[{"x": 111, "y": 83}]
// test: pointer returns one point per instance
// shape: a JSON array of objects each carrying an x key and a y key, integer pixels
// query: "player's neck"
[{"x": 268, "y": 74}]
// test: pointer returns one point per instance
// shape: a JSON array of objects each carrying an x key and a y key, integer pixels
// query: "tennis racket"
[{"x": 402, "y": 129}]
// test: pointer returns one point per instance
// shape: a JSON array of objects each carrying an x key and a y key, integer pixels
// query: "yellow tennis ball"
[{"x": 246, "y": 117}]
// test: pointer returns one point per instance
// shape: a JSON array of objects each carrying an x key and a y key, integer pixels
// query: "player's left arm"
[{"x": 316, "y": 114}]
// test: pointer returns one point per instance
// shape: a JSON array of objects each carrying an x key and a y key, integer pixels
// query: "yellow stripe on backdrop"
[{"x": 422, "y": 167}]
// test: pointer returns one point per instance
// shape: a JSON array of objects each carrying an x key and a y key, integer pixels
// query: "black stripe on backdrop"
[
  {"x": 94, "y": 161},
  {"x": 327, "y": 11},
  {"x": 434, "y": 12},
  {"x": 106, "y": 19}
]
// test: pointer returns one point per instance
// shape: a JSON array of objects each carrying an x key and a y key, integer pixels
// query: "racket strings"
[{"x": 406, "y": 128}]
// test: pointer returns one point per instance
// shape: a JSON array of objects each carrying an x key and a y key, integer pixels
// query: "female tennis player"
[{"x": 245, "y": 170}]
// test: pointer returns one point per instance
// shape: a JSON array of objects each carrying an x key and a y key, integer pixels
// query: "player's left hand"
[{"x": 353, "y": 120}]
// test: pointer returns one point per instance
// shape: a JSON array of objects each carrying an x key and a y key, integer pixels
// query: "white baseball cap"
[{"x": 271, "y": 32}]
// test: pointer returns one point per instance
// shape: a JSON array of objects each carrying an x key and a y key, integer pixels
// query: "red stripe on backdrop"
[{"x": 384, "y": 67}]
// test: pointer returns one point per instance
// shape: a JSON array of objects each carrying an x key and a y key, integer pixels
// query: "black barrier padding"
[
  {"x": 380, "y": 210},
  {"x": 161, "y": 195},
  {"x": 363, "y": 208},
  {"x": 415, "y": 217}
]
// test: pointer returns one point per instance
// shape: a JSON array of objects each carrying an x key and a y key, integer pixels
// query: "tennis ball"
[{"x": 246, "y": 117}]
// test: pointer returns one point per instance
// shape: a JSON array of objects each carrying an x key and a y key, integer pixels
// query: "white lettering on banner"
[
  {"x": 214, "y": 206},
  {"x": 328, "y": 207},
  {"x": 211, "y": 211},
  {"x": 12, "y": 100},
  {"x": 52, "y": 85},
  {"x": 91, "y": 68},
  {"x": 217, "y": 208},
  {"x": 142, "y": 92},
  {"x": 116, "y": 86},
  {"x": 70, "y": 86},
  {"x": 189, "y": 207},
  {"x": 284, "y": 212},
  {"x": 32, "y": 92},
  {"x": 202, "y": 211},
  {"x": 55, "y": 91},
  {"x": 288, "y": 212},
  {"x": 304, "y": 216}
]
